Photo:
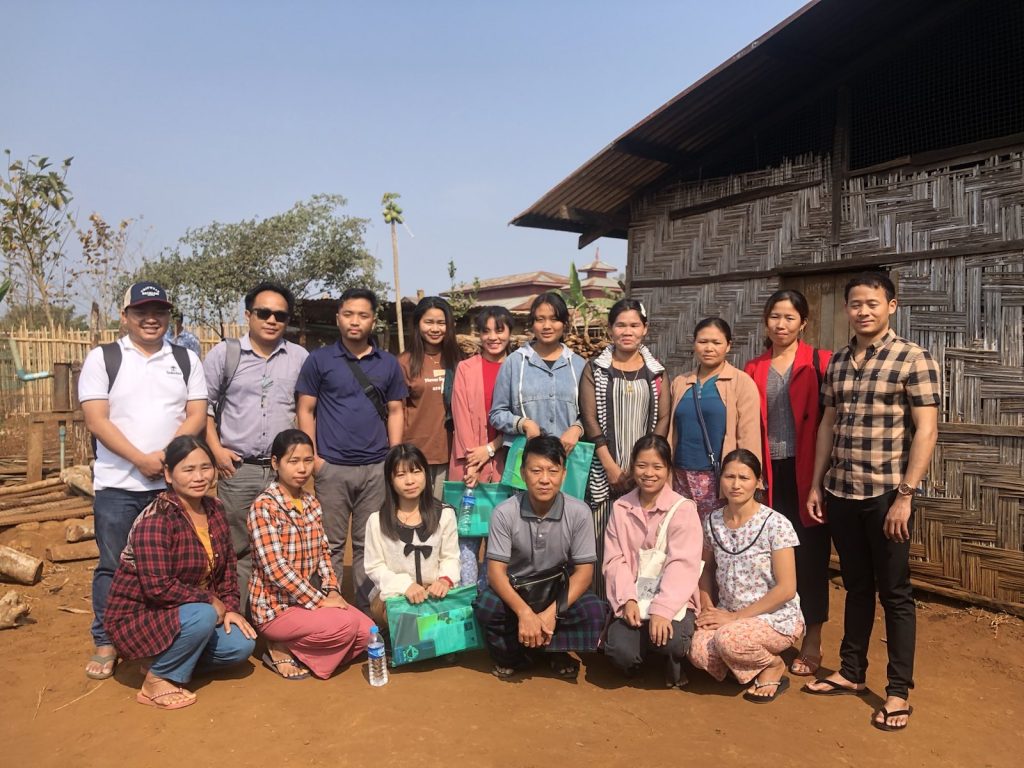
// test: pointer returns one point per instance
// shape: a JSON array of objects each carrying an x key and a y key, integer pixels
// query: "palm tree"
[{"x": 393, "y": 216}]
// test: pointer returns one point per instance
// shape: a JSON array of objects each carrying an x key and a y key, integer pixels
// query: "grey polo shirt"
[
  {"x": 531, "y": 544},
  {"x": 260, "y": 400}
]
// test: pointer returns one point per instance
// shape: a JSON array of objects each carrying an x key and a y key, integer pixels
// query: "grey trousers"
[
  {"x": 627, "y": 647},
  {"x": 238, "y": 493},
  {"x": 350, "y": 494}
]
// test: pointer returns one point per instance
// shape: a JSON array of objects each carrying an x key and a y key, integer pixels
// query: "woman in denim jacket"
[{"x": 537, "y": 388}]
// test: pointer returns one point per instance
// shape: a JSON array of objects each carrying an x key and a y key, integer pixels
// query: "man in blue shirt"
[{"x": 352, "y": 426}]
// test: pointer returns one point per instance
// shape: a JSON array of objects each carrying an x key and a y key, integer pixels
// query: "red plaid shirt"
[
  {"x": 289, "y": 546},
  {"x": 163, "y": 568}
]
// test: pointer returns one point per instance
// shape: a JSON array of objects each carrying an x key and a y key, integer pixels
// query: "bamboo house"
[{"x": 868, "y": 134}]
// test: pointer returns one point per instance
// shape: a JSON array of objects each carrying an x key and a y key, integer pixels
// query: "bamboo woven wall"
[
  {"x": 40, "y": 349},
  {"x": 967, "y": 309}
]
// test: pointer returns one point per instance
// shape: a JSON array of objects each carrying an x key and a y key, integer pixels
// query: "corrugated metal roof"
[{"x": 807, "y": 54}]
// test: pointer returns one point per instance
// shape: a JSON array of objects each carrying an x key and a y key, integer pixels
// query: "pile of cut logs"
[{"x": 27, "y": 505}]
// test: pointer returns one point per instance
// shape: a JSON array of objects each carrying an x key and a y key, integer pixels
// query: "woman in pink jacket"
[
  {"x": 653, "y": 613},
  {"x": 478, "y": 455}
]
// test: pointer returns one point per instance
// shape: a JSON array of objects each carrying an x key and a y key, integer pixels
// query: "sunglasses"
[{"x": 264, "y": 314}]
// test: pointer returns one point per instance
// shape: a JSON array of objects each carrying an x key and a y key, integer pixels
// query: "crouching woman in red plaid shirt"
[
  {"x": 175, "y": 593},
  {"x": 294, "y": 594}
]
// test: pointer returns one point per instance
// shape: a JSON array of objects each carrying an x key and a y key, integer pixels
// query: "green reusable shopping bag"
[
  {"x": 487, "y": 495},
  {"x": 434, "y": 627},
  {"x": 577, "y": 467}
]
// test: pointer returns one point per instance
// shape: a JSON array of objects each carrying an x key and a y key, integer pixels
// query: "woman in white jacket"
[{"x": 412, "y": 544}]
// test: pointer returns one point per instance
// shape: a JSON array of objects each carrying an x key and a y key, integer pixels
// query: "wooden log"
[
  {"x": 80, "y": 530},
  {"x": 7, "y": 490},
  {"x": 18, "y": 567},
  {"x": 71, "y": 502},
  {"x": 18, "y": 502},
  {"x": 41, "y": 517},
  {"x": 12, "y": 607},
  {"x": 63, "y": 553}
]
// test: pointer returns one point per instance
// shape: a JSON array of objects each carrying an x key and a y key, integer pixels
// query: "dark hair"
[
  {"x": 407, "y": 454},
  {"x": 655, "y": 443},
  {"x": 361, "y": 293},
  {"x": 182, "y": 446},
  {"x": 714, "y": 322},
  {"x": 267, "y": 285},
  {"x": 502, "y": 318},
  {"x": 797, "y": 299},
  {"x": 545, "y": 446},
  {"x": 450, "y": 352},
  {"x": 746, "y": 458},
  {"x": 286, "y": 441},
  {"x": 557, "y": 304},
  {"x": 871, "y": 280},
  {"x": 626, "y": 305}
]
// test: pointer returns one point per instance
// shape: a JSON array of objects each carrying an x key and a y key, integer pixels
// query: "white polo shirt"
[{"x": 147, "y": 403}]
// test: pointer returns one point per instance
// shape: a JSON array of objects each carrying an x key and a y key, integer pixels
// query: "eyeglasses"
[{"x": 264, "y": 314}]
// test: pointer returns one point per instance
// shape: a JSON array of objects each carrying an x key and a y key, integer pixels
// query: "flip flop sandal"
[
  {"x": 779, "y": 685},
  {"x": 102, "y": 660},
  {"x": 269, "y": 663},
  {"x": 154, "y": 701},
  {"x": 835, "y": 689},
  {"x": 810, "y": 663},
  {"x": 507, "y": 673},
  {"x": 886, "y": 714},
  {"x": 675, "y": 675},
  {"x": 564, "y": 666}
]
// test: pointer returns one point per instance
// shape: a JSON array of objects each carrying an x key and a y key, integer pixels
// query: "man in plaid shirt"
[{"x": 878, "y": 430}]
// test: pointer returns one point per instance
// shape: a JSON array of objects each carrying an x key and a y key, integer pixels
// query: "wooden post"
[
  {"x": 34, "y": 452},
  {"x": 18, "y": 567},
  {"x": 62, "y": 553},
  {"x": 80, "y": 530}
]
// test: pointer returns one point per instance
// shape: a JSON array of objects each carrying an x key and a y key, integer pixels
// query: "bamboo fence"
[{"x": 40, "y": 349}]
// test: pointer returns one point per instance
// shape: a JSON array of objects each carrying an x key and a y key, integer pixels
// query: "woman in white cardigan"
[{"x": 412, "y": 544}]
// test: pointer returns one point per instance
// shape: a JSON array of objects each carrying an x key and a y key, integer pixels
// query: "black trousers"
[
  {"x": 628, "y": 647},
  {"x": 815, "y": 545},
  {"x": 872, "y": 564}
]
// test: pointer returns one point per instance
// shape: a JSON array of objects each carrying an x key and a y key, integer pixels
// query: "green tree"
[
  {"x": 311, "y": 248},
  {"x": 461, "y": 298},
  {"x": 35, "y": 222}
]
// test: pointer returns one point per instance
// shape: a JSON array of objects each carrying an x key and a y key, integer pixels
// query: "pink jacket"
[
  {"x": 470, "y": 419},
  {"x": 630, "y": 529}
]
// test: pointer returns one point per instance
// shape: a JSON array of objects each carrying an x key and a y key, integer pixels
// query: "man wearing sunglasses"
[{"x": 251, "y": 383}]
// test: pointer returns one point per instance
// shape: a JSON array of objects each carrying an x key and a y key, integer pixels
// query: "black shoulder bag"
[
  {"x": 539, "y": 590},
  {"x": 715, "y": 461},
  {"x": 371, "y": 392}
]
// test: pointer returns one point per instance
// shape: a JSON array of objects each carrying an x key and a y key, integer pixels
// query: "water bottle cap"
[{"x": 373, "y": 629}]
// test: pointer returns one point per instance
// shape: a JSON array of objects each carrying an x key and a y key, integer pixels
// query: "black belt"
[{"x": 257, "y": 461}]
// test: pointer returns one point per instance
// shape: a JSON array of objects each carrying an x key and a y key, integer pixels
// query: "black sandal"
[
  {"x": 564, "y": 666},
  {"x": 779, "y": 685},
  {"x": 882, "y": 725},
  {"x": 834, "y": 689}
]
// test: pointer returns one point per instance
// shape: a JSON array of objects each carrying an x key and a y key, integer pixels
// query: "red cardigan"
[{"x": 803, "y": 399}]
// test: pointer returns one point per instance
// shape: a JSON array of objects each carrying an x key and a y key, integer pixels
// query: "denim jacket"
[{"x": 528, "y": 388}]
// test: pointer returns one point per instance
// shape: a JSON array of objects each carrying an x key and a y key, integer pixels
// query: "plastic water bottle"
[
  {"x": 378, "y": 659},
  {"x": 466, "y": 510}
]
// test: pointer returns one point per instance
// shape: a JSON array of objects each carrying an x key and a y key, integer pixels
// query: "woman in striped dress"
[{"x": 623, "y": 397}]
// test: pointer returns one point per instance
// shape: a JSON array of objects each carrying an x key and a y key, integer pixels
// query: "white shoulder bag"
[{"x": 650, "y": 567}]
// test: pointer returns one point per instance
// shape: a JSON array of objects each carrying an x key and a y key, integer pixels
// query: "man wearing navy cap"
[{"x": 137, "y": 394}]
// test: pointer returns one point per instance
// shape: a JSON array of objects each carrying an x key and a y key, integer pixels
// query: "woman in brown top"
[{"x": 429, "y": 367}]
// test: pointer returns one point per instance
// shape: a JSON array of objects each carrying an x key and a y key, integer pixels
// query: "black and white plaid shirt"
[{"x": 873, "y": 424}]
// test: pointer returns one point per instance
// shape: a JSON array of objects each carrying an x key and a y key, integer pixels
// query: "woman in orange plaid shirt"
[{"x": 294, "y": 594}]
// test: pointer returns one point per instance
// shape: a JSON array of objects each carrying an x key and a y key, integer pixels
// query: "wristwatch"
[
  {"x": 905, "y": 489},
  {"x": 490, "y": 450}
]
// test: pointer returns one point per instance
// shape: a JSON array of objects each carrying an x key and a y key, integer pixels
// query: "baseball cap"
[{"x": 145, "y": 292}]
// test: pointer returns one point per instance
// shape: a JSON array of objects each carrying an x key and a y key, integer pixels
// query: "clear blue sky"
[{"x": 186, "y": 113}]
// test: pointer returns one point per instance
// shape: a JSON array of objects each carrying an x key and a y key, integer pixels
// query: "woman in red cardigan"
[
  {"x": 788, "y": 377},
  {"x": 174, "y": 597}
]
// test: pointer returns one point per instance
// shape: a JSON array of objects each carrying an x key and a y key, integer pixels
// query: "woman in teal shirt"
[{"x": 715, "y": 410}]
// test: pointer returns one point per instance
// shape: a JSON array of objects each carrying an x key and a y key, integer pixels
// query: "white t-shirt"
[{"x": 147, "y": 403}]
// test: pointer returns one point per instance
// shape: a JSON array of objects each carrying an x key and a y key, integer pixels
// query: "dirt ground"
[{"x": 969, "y": 706}]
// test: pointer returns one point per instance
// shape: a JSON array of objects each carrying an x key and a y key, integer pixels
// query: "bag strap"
[
  {"x": 183, "y": 360},
  {"x": 661, "y": 543},
  {"x": 753, "y": 541},
  {"x": 816, "y": 361},
  {"x": 232, "y": 356},
  {"x": 368, "y": 389},
  {"x": 111, "y": 361},
  {"x": 704, "y": 427}
]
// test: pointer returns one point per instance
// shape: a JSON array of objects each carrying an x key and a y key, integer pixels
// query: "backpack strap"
[
  {"x": 232, "y": 356},
  {"x": 111, "y": 361},
  {"x": 183, "y": 360}
]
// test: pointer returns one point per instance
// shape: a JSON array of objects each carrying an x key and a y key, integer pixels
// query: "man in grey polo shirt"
[
  {"x": 252, "y": 396},
  {"x": 533, "y": 533}
]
